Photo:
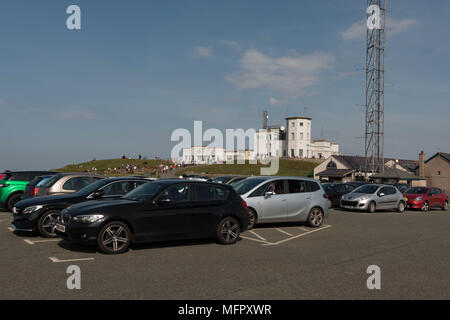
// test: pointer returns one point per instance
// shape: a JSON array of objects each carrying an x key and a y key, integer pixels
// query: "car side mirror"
[
  {"x": 97, "y": 194},
  {"x": 381, "y": 194},
  {"x": 268, "y": 194}
]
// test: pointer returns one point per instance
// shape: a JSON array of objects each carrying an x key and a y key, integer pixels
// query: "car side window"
[
  {"x": 277, "y": 187},
  {"x": 296, "y": 186},
  {"x": 383, "y": 190},
  {"x": 340, "y": 188},
  {"x": 312, "y": 186},
  {"x": 259, "y": 192},
  {"x": 392, "y": 190},
  {"x": 133, "y": 185},
  {"x": 176, "y": 193},
  {"x": 116, "y": 188},
  {"x": 204, "y": 192},
  {"x": 76, "y": 183},
  {"x": 221, "y": 194}
]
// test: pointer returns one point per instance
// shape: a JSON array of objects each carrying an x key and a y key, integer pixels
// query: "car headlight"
[
  {"x": 31, "y": 209},
  {"x": 90, "y": 218}
]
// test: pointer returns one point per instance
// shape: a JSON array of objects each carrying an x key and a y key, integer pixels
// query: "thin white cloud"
[
  {"x": 394, "y": 26},
  {"x": 3, "y": 102},
  {"x": 289, "y": 75},
  {"x": 78, "y": 113},
  {"x": 274, "y": 102},
  {"x": 232, "y": 44},
  {"x": 201, "y": 52}
]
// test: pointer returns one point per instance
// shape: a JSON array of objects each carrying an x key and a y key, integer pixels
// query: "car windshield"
[
  {"x": 246, "y": 185},
  {"x": 92, "y": 187},
  {"x": 51, "y": 181},
  {"x": 417, "y": 190},
  {"x": 367, "y": 189},
  {"x": 146, "y": 191},
  {"x": 327, "y": 186}
]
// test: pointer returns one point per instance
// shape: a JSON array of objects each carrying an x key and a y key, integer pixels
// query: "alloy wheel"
[
  {"x": 252, "y": 219},
  {"x": 49, "y": 223},
  {"x": 316, "y": 217},
  {"x": 425, "y": 207},
  {"x": 115, "y": 238},
  {"x": 230, "y": 231}
]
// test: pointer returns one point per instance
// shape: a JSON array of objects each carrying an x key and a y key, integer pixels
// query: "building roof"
[
  {"x": 305, "y": 118},
  {"x": 443, "y": 155},
  {"x": 336, "y": 173},
  {"x": 391, "y": 173},
  {"x": 359, "y": 163}
]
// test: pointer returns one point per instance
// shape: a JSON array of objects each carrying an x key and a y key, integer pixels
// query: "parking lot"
[{"x": 282, "y": 261}]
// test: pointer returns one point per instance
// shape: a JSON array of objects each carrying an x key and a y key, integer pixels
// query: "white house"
[{"x": 203, "y": 155}]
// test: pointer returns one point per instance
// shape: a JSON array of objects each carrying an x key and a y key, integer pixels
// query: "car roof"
[
  {"x": 268, "y": 178},
  {"x": 124, "y": 178}
]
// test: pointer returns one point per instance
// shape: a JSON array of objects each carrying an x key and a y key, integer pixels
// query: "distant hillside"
[
  {"x": 147, "y": 167},
  {"x": 287, "y": 168}
]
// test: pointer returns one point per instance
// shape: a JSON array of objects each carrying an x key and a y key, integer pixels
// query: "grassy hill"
[
  {"x": 150, "y": 168},
  {"x": 287, "y": 168},
  {"x": 107, "y": 166}
]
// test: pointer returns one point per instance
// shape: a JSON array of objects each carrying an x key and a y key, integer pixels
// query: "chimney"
[{"x": 422, "y": 164}]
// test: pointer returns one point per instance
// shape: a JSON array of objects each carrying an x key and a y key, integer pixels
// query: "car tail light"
[
  {"x": 244, "y": 205},
  {"x": 325, "y": 195},
  {"x": 34, "y": 192}
]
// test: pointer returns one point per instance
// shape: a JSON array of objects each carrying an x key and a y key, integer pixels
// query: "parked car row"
[
  {"x": 371, "y": 197},
  {"x": 114, "y": 212}
]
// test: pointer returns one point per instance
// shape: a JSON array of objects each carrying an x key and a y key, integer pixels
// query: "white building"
[
  {"x": 324, "y": 149},
  {"x": 298, "y": 137},
  {"x": 267, "y": 143},
  {"x": 203, "y": 155}
]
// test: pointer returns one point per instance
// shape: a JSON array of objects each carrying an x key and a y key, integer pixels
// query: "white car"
[{"x": 284, "y": 199}]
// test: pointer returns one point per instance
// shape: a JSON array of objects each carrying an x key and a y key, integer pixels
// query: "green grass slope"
[{"x": 287, "y": 168}]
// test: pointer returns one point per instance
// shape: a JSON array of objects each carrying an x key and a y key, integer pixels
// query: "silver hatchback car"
[
  {"x": 371, "y": 197},
  {"x": 284, "y": 199},
  {"x": 64, "y": 183}
]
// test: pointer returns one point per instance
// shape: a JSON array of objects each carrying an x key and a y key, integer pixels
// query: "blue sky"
[{"x": 137, "y": 70}]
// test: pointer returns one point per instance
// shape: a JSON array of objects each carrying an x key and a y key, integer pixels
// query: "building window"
[
  {"x": 292, "y": 153},
  {"x": 331, "y": 165},
  {"x": 300, "y": 152},
  {"x": 292, "y": 124},
  {"x": 293, "y": 135},
  {"x": 439, "y": 173},
  {"x": 301, "y": 124},
  {"x": 301, "y": 135}
]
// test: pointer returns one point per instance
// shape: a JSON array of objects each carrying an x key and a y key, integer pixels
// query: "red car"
[{"x": 425, "y": 198}]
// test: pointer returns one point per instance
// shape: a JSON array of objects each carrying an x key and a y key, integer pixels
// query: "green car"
[{"x": 13, "y": 183}]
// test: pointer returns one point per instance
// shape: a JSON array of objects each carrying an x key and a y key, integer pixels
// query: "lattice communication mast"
[{"x": 375, "y": 52}]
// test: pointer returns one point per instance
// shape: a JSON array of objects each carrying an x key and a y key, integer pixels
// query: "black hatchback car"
[
  {"x": 157, "y": 211},
  {"x": 40, "y": 214}
]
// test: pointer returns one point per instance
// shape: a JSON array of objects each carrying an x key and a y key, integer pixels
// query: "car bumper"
[
  {"x": 22, "y": 228},
  {"x": 415, "y": 204},
  {"x": 359, "y": 205},
  {"x": 26, "y": 222},
  {"x": 80, "y": 233}
]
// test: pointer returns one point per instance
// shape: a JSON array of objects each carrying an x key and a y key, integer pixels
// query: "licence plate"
[{"x": 60, "y": 227}]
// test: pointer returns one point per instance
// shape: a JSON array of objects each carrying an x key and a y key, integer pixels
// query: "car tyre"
[
  {"x": 46, "y": 223},
  {"x": 445, "y": 207},
  {"x": 425, "y": 206},
  {"x": 252, "y": 219},
  {"x": 114, "y": 238},
  {"x": 315, "y": 217},
  {"x": 228, "y": 230},
  {"x": 372, "y": 207},
  {"x": 12, "y": 200},
  {"x": 401, "y": 207}
]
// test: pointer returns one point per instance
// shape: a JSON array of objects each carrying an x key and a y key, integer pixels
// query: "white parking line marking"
[
  {"x": 295, "y": 237},
  {"x": 257, "y": 240},
  {"x": 285, "y": 232},
  {"x": 257, "y": 235},
  {"x": 38, "y": 241},
  {"x": 56, "y": 260},
  {"x": 304, "y": 229}
]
